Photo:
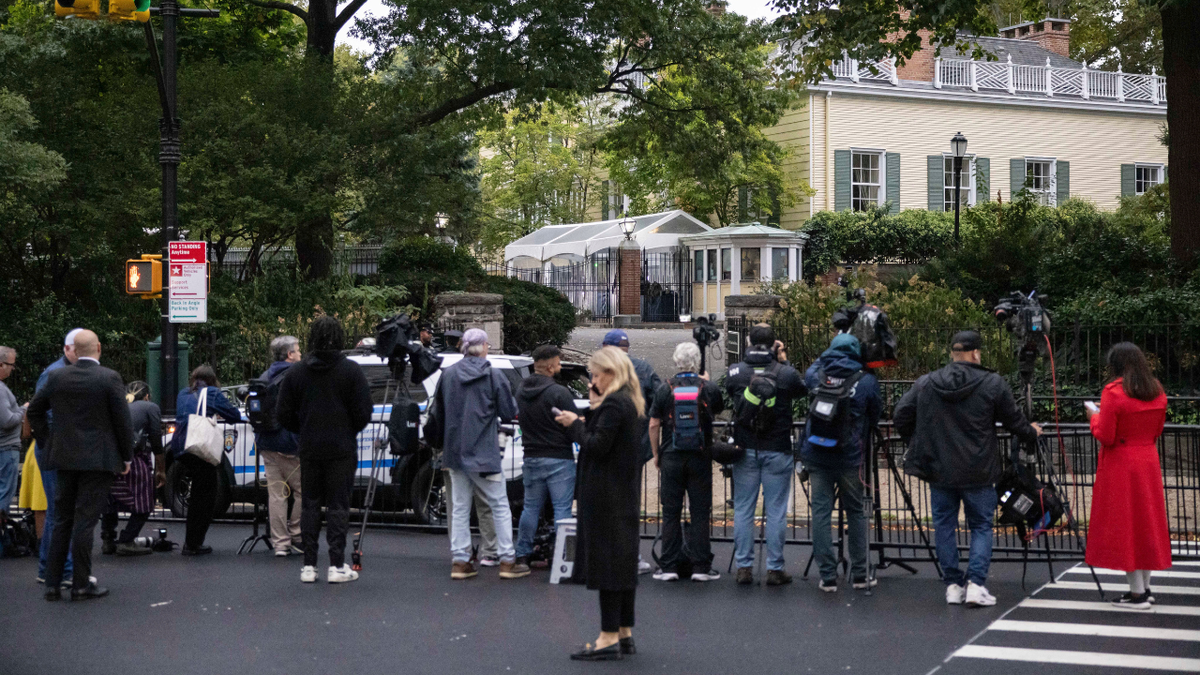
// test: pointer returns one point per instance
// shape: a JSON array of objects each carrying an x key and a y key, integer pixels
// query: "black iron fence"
[
  {"x": 666, "y": 285},
  {"x": 243, "y": 263},
  {"x": 590, "y": 285}
]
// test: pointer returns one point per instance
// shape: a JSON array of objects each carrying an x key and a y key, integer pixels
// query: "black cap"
[{"x": 966, "y": 341}]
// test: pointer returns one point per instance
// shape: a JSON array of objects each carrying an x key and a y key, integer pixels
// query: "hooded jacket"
[
  {"x": 866, "y": 405},
  {"x": 281, "y": 440},
  {"x": 789, "y": 385},
  {"x": 541, "y": 436},
  {"x": 948, "y": 418},
  {"x": 326, "y": 401},
  {"x": 476, "y": 397}
]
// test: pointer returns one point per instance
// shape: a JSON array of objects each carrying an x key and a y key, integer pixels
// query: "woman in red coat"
[{"x": 1128, "y": 528}]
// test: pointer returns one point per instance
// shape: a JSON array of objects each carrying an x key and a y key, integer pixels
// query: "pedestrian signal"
[
  {"x": 129, "y": 10},
  {"x": 84, "y": 9},
  {"x": 143, "y": 277}
]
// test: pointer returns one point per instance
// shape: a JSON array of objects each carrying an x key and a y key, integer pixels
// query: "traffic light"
[
  {"x": 129, "y": 10},
  {"x": 144, "y": 277},
  {"x": 84, "y": 9}
]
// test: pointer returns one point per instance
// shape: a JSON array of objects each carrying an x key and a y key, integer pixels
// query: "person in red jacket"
[{"x": 1128, "y": 527}]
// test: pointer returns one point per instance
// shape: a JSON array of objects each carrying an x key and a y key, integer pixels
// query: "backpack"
[
  {"x": 402, "y": 424},
  {"x": 688, "y": 414},
  {"x": 829, "y": 413},
  {"x": 756, "y": 408},
  {"x": 18, "y": 536},
  {"x": 1027, "y": 502},
  {"x": 260, "y": 403}
]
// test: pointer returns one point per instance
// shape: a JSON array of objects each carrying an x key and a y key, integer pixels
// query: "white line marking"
[
  {"x": 1100, "y": 630},
  {"x": 1121, "y": 588},
  {"x": 1080, "y": 658},
  {"x": 1153, "y": 575},
  {"x": 1189, "y": 563},
  {"x": 1176, "y": 610}
]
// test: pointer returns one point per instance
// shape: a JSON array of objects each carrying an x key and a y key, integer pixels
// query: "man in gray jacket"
[
  {"x": 11, "y": 417},
  {"x": 474, "y": 398}
]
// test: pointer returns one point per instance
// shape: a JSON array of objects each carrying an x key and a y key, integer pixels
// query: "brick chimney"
[
  {"x": 920, "y": 65},
  {"x": 716, "y": 7},
  {"x": 1051, "y": 34}
]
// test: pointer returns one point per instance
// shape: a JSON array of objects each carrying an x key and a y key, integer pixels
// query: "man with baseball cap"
[
  {"x": 948, "y": 418},
  {"x": 50, "y": 476}
]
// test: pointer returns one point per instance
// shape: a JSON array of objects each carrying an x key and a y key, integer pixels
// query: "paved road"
[
  {"x": 656, "y": 345},
  {"x": 225, "y": 615}
]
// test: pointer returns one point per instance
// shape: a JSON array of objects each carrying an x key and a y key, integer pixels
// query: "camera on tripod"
[
  {"x": 398, "y": 340},
  {"x": 705, "y": 332},
  {"x": 870, "y": 325},
  {"x": 1029, "y": 322}
]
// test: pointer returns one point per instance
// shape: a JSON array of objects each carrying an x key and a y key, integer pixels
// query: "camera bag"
[
  {"x": 688, "y": 413},
  {"x": 260, "y": 403},
  {"x": 829, "y": 412},
  {"x": 756, "y": 408}
]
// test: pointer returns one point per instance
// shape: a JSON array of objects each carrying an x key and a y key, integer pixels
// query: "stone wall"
[
  {"x": 756, "y": 308},
  {"x": 474, "y": 310}
]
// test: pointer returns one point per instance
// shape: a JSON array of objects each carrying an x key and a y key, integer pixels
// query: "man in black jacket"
[
  {"x": 326, "y": 400},
  {"x": 92, "y": 441},
  {"x": 549, "y": 467},
  {"x": 948, "y": 418},
  {"x": 769, "y": 459}
]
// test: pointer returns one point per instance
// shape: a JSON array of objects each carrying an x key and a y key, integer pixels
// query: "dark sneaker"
[
  {"x": 828, "y": 585},
  {"x": 863, "y": 583},
  {"x": 513, "y": 570},
  {"x": 489, "y": 561},
  {"x": 463, "y": 570},
  {"x": 710, "y": 575},
  {"x": 778, "y": 578},
  {"x": 1131, "y": 601},
  {"x": 745, "y": 576},
  {"x": 108, "y": 547},
  {"x": 199, "y": 550},
  {"x": 90, "y": 592}
]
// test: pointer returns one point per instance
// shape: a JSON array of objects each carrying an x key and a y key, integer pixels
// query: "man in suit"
[{"x": 92, "y": 441}]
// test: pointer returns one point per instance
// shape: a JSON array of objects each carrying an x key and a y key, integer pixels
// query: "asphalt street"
[{"x": 250, "y": 614}]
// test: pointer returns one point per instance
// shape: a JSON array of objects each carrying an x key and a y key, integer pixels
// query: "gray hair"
[
  {"x": 282, "y": 346},
  {"x": 687, "y": 357},
  {"x": 477, "y": 350},
  {"x": 6, "y": 352}
]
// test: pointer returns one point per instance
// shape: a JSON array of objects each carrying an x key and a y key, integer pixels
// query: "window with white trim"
[
  {"x": 1146, "y": 176},
  {"x": 866, "y": 180},
  {"x": 967, "y": 179},
  {"x": 1042, "y": 178}
]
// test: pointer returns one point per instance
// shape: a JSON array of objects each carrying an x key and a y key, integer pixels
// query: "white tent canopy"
[{"x": 652, "y": 231}]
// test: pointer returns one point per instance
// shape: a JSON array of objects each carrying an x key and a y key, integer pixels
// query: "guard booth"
[{"x": 738, "y": 260}]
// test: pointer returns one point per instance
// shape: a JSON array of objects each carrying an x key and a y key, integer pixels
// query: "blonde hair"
[{"x": 616, "y": 361}]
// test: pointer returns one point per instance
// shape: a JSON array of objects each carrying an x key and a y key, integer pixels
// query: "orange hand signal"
[{"x": 134, "y": 276}]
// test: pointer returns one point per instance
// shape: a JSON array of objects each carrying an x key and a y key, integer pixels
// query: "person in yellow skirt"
[{"x": 32, "y": 495}]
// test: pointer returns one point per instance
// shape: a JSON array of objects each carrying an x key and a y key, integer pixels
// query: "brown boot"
[
  {"x": 778, "y": 578},
  {"x": 513, "y": 570},
  {"x": 463, "y": 570}
]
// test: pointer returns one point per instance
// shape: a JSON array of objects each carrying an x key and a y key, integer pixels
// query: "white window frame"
[
  {"x": 968, "y": 181},
  {"x": 1049, "y": 192},
  {"x": 1141, "y": 166},
  {"x": 881, "y": 155}
]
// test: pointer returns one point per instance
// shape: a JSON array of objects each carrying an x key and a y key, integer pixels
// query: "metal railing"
[
  {"x": 852, "y": 69},
  {"x": 590, "y": 285},
  {"x": 1049, "y": 80}
]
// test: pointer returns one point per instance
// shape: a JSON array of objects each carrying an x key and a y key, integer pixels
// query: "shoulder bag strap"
[{"x": 202, "y": 404}]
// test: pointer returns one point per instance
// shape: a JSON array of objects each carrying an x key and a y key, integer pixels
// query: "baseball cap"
[
  {"x": 966, "y": 341},
  {"x": 474, "y": 336},
  {"x": 70, "y": 341},
  {"x": 616, "y": 338}
]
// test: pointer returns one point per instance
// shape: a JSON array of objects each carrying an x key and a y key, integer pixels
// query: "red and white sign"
[
  {"x": 189, "y": 251},
  {"x": 189, "y": 280}
]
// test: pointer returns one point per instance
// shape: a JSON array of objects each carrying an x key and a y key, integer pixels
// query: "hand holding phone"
[
  {"x": 556, "y": 411},
  {"x": 1092, "y": 407}
]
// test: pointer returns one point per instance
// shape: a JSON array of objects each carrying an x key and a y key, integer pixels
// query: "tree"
[{"x": 877, "y": 30}]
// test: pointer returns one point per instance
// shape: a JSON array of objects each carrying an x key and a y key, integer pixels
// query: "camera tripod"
[{"x": 250, "y": 542}]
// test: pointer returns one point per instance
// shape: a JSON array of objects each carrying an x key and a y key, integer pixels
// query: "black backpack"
[
  {"x": 756, "y": 408},
  {"x": 403, "y": 438},
  {"x": 18, "y": 536},
  {"x": 829, "y": 412},
  {"x": 689, "y": 413},
  {"x": 260, "y": 403}
]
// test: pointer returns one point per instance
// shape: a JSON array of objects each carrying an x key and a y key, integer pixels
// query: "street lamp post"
[
  {"x": 440, "y": 221},
  {"x": 627, "y": 224},
  {"x": 958, "y": 145}
]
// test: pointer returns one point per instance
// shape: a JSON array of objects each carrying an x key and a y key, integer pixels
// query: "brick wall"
[
  {"x": 630, "y": 301},
  {"x": 920, "y": 66}
]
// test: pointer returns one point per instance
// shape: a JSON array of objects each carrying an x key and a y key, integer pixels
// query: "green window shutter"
[
  {"x": 937, "y": 182},
  {"x": 841, "y": 180},
  {"x": 893, "y": 180},
  {"x": 1164, "y": 173},
  {"x": 743, "y": 205},
  {"x": 1016, "y": 176},
  {"x": 1063, "y": 181},
  {"x": 1128, "y": 180},
  {"x": 604, "y": 199},
  {"x": 774, "y": 218},
  {"x": 983, "y": 180}
]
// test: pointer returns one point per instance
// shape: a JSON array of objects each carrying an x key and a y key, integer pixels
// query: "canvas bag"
[{"x": 204, "y": 437}]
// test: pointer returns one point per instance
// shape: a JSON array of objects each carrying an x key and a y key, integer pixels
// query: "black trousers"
[
  {"x": 689, "y": 472},
  {"x": 326, "y": 482},
  {"x": 202, "y": 498},
  {"x": 109, "y": 522},
  {"x": 79, "y": 499},
  {"x": 616, "y": 610}
]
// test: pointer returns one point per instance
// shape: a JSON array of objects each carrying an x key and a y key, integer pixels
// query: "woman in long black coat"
[{"x": 609, "y": 497}]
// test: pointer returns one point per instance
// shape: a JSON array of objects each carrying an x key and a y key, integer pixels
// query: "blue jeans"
[
  {"x": 49, "y": 480},
  {"x": 980, "y": 506},
  {"x": 773, "y": 471},
  {"x": 823, "y": 482},
  {"x": 10, "y": 456},
  {"x": 544, "y": 477}
]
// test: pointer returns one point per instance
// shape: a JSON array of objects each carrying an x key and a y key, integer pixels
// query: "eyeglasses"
[{"x": 10, "y": 364}]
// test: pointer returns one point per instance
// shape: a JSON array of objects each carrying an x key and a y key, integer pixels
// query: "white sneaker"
[
  {"x": 710, "y": 575},
  {"x": 978, "y": 596},
  {"x": 281, "y": 553},
  {"x": 955, "y": 594},
  {"x": 340, "y": 575},
  {"x": 660, "y": 575},
  {"x": 308, "y": 574},
  {"x": 644, "y": 567},
  {"x": 489, "y": 561}
]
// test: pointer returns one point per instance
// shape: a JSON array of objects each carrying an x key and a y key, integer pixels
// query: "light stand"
[{"x": 250, "y": 542}]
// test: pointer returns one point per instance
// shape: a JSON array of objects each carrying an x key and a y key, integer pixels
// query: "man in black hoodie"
[
  {"x": 326, "y": 400},
  {"x": 549, "y": 467},
  {"x": 948, "y": 418}
]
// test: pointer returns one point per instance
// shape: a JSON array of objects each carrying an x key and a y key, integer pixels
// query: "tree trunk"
[
  {"x": 314, "y": 246},
  {"x": 322, "y": 28},
  {"x": 1181, "y": 65}
]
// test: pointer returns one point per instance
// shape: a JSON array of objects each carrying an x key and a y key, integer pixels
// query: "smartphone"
[
  {"x": 556, "y": 411},
  {"x": 1091, "y": 405}
]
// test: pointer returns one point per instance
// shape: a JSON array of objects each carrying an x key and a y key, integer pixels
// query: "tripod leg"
[{"x": 912, "y": 509}]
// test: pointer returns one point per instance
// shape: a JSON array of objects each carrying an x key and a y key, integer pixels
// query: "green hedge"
[{"x": 856, "y": 237}]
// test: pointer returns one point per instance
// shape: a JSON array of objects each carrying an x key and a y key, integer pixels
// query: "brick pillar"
[{"x": 629, "y": 302}]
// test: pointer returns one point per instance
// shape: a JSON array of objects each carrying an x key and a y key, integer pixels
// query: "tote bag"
[{"x": 204, "y": 438}]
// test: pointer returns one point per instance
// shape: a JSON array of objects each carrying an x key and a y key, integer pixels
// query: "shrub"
[
  {"x": 533, "y": 314},
  {"x": 427, "y": 267},
  {"x": 874, "y": 236}
]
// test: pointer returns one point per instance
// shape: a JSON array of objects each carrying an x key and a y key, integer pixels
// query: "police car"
[{"x": 413, "y": 482}]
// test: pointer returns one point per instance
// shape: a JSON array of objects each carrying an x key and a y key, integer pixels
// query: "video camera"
[
  {"x": 1024, "y": 317},
  {"x": 870, "y": 325},
  {"x": 398, "y": 340},
  {"x": 705, "y": 334}
]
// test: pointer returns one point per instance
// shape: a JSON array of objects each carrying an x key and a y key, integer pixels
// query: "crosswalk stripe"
[
  {"x": 1188, "y": 563},
  {"x": 1143, "y": 662},
  {"x": 1098, "y": 630},
  {"x": 1153, "y": 575},
  {"x": 1121, "y": 588},
  {"x": 1039, "y": 603}
]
